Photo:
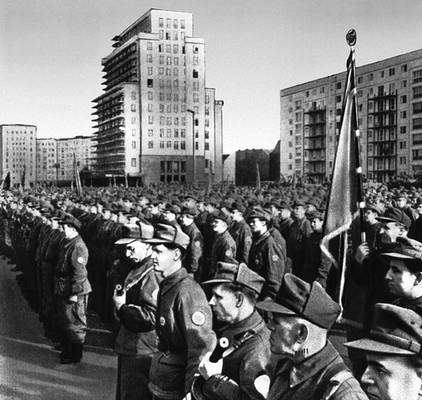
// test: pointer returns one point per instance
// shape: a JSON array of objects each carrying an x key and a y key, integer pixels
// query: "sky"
[{"x": 51, "y": 50}]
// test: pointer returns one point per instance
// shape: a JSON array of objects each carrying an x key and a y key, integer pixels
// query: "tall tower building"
[
  {"x": 389, "y": 98},
  {"x": 18, "y": 153},
  {"x": 46, "y": 160},
  {"x": 153, "y": 121}
]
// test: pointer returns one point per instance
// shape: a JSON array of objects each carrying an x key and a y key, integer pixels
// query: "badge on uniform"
[
  {"x": 197, "y": 243},
  {"x": 275, "y": 258},
  {"x": 228, "y": 253},
  {"x": 80, "y": 260},
  {"x": 198, "y": 318},
  {"x": 162, "y": 321}
]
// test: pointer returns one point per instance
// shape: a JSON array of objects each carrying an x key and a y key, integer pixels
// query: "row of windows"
[{"x": 169, "y": 24}]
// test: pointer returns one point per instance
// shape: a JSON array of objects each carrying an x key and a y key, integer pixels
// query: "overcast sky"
[{"x": 51, "y": 50}]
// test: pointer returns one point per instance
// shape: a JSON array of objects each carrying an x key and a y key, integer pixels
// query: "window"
[
  {"x": 403, "y": 114},
  {"x": 183, "y": 145},
  {"x": 417, "y": 123},
  {"x": 338, "y": 99},
  {"x": 149, "y": 58},
  {"x": 196, "y": 146},
  {"x": 150, "y": 82},
  {"x": 160, "y": 22},
  {"x": 168, "y": 37},
  {"x": 207, "y": 146},
  {"x": 195, "y": 73},
  {"x": 162, "y": 120},
  {"x": 150, "y": 132},
  {"x": 338, "y": 85},
  {"x": 404, "y": 68},
  {"x": 371, "y": 76},
  {"x": 404, "y": 84},
  {"x": 150, "y": 95},
  {"x": 134, "y": 144},
  {"x": 417, "y": 76},
  {"x": 133, "y": 162},
  {"x": 382, "y": 74},
  {"x": 161, "y": 59},
  {"x": 176, "y": 145},
  {"x": 402, "y": 129},
  {"x": 360, "y": 79},
  {"x": 183, "y": 133},
  {"x": 150, "y": 144},
  {"x": 169, "y": 144},
  {"x": 403, "y": 99},
  {"x": 392, "y": 71},
  {"x": 182, "y": 24},
  {"x": 150, "y": 70},
  {"x": 417, "y": 107},
  {"x": 402, "y": 145},
  {"x": 161, "y": 144},
  {"x": 402, "y": 160},
  {"x": 149, "y": 45}
]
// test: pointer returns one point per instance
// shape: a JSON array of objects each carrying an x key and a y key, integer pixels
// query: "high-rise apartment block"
[
  {"x": 47, "y": 170},
  {"x": 156, "y": 120},
  {"x": 80, "y": 147},
  {"x": 18, "y": 149},
  {"x": 389, "y": 96}
]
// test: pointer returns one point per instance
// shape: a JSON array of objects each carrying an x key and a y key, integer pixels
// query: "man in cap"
[
  {"x": 71, "y": 289},
  {"x": 193, "y": 258},
  {"x": 415, "y": 231},
  {"x": 372, "y": 225},
  {"x": 224, "y": 246},
  {"x": 241, "y": 232},
  {"x": 266, "y": 256},
  {"x": 299, "y": 230},
  {"x": 300, "y": 318},
  {"x": 243, "y": 350},
  {"x": 393, "y": 354},
  {"x": 183, "y": 320},
  {"x": 136, "y": 305}
]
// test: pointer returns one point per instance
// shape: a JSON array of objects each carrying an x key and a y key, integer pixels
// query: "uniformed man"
[
  {"x": 136, "y": 306},
  {"x": 266, "y": 256},
  {"x": 300, "y": 318},
  {"x": 184, "y": 318},
  {"x": 243, "y": 351},
  {"x": 223, "y": 246},
  {"x": 241, "y": 232},
  {"x": 393, "y": 354},
  {"x": 71, "y": 288},
  {"x": 193, "y": 259}
]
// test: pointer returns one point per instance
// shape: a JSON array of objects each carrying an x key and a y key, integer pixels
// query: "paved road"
[{"x": 29, "y": 367}]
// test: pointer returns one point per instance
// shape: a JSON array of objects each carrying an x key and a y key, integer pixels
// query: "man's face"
[
  {"x": 168, "y": 216},
  {"x": 218, "y": 225},
  {"x": 299, "y": 212},
  {"x": 283, "y": 334},
  {"x": 257, "y": 225},
  {"x": 390, "y": 378},
  {"x": 370, "y": 216},
  {"x": 137, "y": 251},
  {"x": 419, "y": 209},
  {"x": 223, "y": 304},
  {"x": 389, "y": 232},
  {"x": 400, "y": 280},
  {"x": 401, "y": 202},
  {"x": 236, "y": 215},
  {"x": 285, "y": 213},
  {"x": 186, "y": 220},
  {"x": 316, "y": 224},
  {"x": 163, "y": 259}
]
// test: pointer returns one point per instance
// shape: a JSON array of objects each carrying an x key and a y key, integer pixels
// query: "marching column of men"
[{"x": 192, "y": 284}]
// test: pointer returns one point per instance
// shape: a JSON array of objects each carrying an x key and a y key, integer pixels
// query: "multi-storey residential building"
[
  {"x": 156, "y": 120},
  {"x": 18, "y": 149},
  {"x": 82, "y": 147},
  {"x": 46, "y": 160},
  {"x": 389, "y": 96}
]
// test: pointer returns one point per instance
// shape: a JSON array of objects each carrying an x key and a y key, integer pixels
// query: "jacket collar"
[
  {"x": 253, "y": 323},
  {"x": 170, "y": 281}
]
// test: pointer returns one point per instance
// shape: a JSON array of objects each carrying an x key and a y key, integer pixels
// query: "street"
[{"x": 29, "y": 366}]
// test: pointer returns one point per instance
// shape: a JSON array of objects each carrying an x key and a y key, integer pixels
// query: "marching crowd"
[{"x": 226, "y": 294}]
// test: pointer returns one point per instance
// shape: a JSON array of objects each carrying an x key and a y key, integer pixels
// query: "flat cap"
[
  {"x": 238, "y": 273},
  {"x": 395, "y": 330},
  {"x": 70, "y": 220},
  {"x": 141, "y": 230},
  {"x": 190, "y": 211},
  {"x": 260, "y": 213},
  {"x": 221, "y": 215},
  {"x": 311, "y": 302},
  {"x": 169, "y": 234},
  {"x": 396, "y": 215}
]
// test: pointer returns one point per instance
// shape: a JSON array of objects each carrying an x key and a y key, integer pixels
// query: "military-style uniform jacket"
[
  {"x": 193, "y": 258},
  {"x": 137, "y": 332},
  {"x": 71, "y": 274},
  {"x": 223, "y": 249},
  {"x": 266, "y": 259},
  {"x": 242, "y": 235},
  {"x": 311, "y": 379},
  {"x": 250, "y": 358},
  {"x": 184, "y": 328},
  {"x": 299, "y": 230}
]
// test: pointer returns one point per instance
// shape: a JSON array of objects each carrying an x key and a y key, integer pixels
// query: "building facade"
[
  {"x": 46, "y": 160},
  {"x": 81, "y": 147},
  {"x": 18, "y": 153},
  {"x": 389, "y": 98},
  {"x": 153, "y": 120}
]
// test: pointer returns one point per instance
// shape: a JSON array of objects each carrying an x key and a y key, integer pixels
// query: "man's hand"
[
  {"x": 207, "y": 368},
  {"x": 362, "y": 252},
  {"x": 73, "y": 299},
  {"x": 119, "y": 300}
]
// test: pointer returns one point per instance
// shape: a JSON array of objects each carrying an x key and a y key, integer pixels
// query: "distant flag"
[
  {"x": 126, "y": 182},
  {"x": 293, "y": 181},
  {"x": 114, "y": 180},
  {"x": 345, "y": 197},
  {"x": 77, "y": 176},
  {"x": 6, "y": 182},
  {"x": 258, "y": 177}
]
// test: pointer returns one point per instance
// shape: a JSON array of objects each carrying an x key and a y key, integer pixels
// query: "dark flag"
[
  {"x": 77, "y": 176},
  {"x": 258, "y": 178},
  {"x": 6, "y": 182},
  {"x": 345, "y": 197}
]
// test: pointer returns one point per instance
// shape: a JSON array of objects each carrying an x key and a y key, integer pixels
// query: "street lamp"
[{"x": 193, "y": 143}]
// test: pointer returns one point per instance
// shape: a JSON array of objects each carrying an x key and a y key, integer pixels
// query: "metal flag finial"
[{"x": 351, "y": 37}]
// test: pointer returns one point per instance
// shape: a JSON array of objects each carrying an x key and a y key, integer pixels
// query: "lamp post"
[{"x": 193, "y": 144}]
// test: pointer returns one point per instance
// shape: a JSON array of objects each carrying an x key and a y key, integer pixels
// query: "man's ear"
[
  {"x": 301, "y": 332},
  {"x": 177, "y": 254},
  {"x": 239, "y": 299}
]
